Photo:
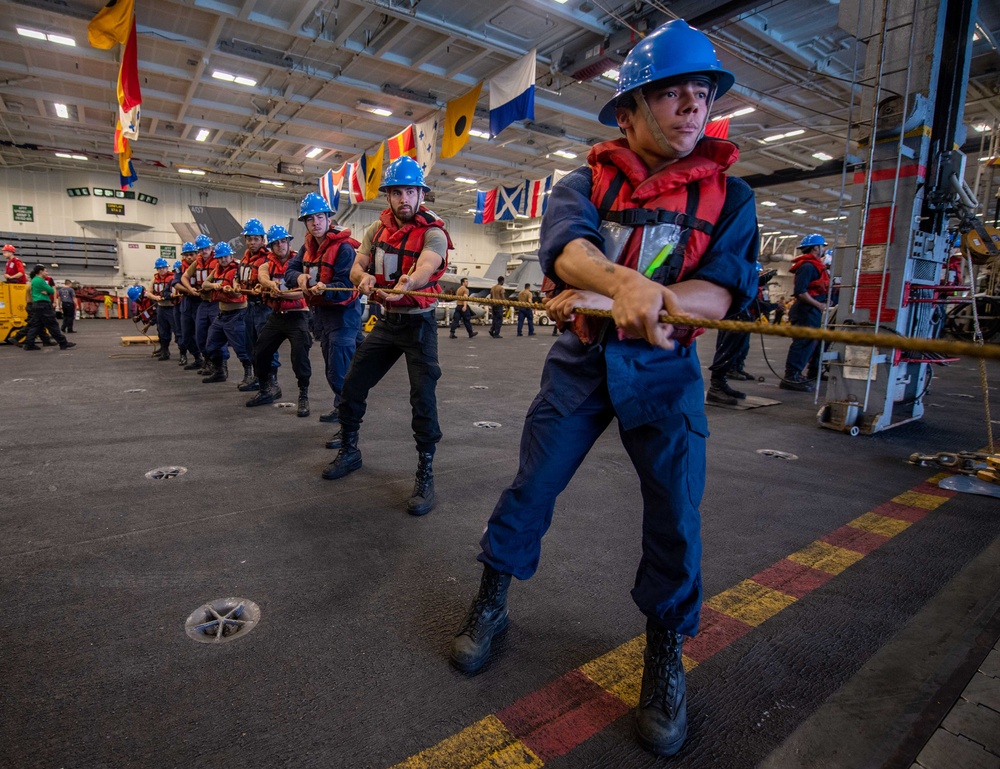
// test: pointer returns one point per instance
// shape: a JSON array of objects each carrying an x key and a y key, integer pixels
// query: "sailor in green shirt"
[{"x": 43, "y": 314}]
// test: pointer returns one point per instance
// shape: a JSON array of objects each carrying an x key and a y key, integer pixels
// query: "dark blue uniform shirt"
[{"x": 645, "y": 382}]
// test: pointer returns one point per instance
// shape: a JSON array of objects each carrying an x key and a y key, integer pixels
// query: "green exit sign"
[{"x": 24, "y": 214}]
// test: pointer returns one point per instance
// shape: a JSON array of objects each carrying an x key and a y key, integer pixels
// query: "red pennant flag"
[{"x": 718, "y": 129}]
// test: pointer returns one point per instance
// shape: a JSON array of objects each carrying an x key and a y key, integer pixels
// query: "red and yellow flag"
[
  {"x": 403, "y": 143},
  {"x": 111, "y": 24}
]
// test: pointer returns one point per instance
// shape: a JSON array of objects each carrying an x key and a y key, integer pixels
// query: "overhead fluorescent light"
[
  {"x": 61, "y": 110},
  {"x": 274, "y": 183},
  {"x": 786, "y": 135},
  {"x": 249, "y": 82},
  {"x": 80, "y": 157},
  {"x": 565, "y": 154},
  {"x": 737, "y": 113},
  {"x": 822, "y": 156},
  {"x": 192, "y": 171},
  {"x": 561, "y": 2},
  {"x": 63, "y": 155},
  {"x": 981, "y": 127},
  {"x": 314, "y": 152},
  {"x": 202, "y": 135},
  {"x": 834, "y": 218},
  {"x": 479, "y": 134},
  {"x": 472, "y": 210},
  {"x": 220, "y": 75},
  {"x": 799, "y": 211},
  {"x": 986, "y": 159},
  {"x": 34, "y": 34},
  {"x": 375, "y": 109},
  {"x": 611, "y": 74},
  {"x": 768, "y": 203},
  {"x": 465, "y": 180}
]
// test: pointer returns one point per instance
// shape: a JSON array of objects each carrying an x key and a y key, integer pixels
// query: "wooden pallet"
[{"x": 128, "y": 341}]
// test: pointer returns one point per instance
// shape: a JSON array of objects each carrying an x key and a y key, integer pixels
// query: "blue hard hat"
[
  {"x": 134, "y": 292},
  {"x": 671, "y": 50},
  {"x": 222, "y": 249},
  {"x": 313, "y": 203},
  {"x": 161, "y": 262},
  {"x": 253, "y": 227},
  {"x": 815, "y": 239},
  {"x": 188, "y": 247},
  {"x": 178, "y": 265},
  {"x": 404, "y": 172},
  {"x": 202, "y": 241},
  {"x": 276, "y": 232}
]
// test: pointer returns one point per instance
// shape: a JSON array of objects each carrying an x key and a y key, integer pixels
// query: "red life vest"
[
  {"x": 395, "y": 251},
  {"x": 319, "y": 262},
  {"x": 202, "y": 270},
  {"x": 248, "y": 268},
  {"x": 688, "y": 194},
  {"x": 821, "y": 285},
  {"x": 163, "y": 285},
  {"x": 277, "y": 270},
  {"x": 227, "y": 276},
  {"x": 144, "y": 310}
]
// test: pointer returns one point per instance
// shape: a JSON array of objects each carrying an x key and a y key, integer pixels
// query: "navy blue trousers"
[
  {"x": 227, "y": 329},
  {"x": 413, "y": 336},
  {"x": 669, "y": 457},
  {"x": 205, "y": 317},
  {"x": 803, "y": 352},
  {"x": 189, "y": 320},
  {"x": 336, "y": 331},
  {"x": 523, "y": 315},
  {"x": 166, "y": 326}
]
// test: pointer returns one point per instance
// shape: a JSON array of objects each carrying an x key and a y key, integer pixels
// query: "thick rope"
[{"x": 944, "y": 347}]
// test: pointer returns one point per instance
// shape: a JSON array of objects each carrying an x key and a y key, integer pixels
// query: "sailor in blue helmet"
[
  {"x": 161, "y": 291},
  {"x": 289, "y": 319},
  {"x": 653, "y": 224},
  {"x": 255, "y": 255},
  {"x": 324, "y": 262},
  {"x": 203, "y": 309},
  {"x": 228, "y": 328},
  {"x": 406, "y": 248},
  {"x": 812, "y": 284},
  {"x": 186, "y": 308}
]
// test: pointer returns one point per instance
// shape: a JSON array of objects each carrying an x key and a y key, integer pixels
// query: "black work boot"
[
  {"x": 249, "y": 383},
  {"x": 487, "y": 619},
  {"x": 303, "y": 404},
  {"x": 661, "y": 718},
  {"x": 348, "y": 458},
  {"x": 196, "y": 365},
  {"x": 164, "y": 354},
  {"x": 272, "y": 387},
  {"x": 334, "y": 442},
  {"x": 739, "y": 375},
  {"x": 220, "y": 373},
  {"x": 720, "y": 392},
  {"x": 421, "y": 501},
  {"x": 183, "y": 359},
  {"x": 795, "y": 381},
  {"x": 264, "y": 396}
]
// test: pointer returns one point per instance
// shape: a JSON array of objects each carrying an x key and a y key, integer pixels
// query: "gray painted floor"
[{"x": 100, "y": 567}]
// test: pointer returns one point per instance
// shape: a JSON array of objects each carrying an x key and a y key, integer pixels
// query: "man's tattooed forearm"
[{"x": 595, "y": 253}]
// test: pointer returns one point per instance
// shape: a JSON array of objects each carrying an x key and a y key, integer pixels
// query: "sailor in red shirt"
[{"x": 14, "y": 272}]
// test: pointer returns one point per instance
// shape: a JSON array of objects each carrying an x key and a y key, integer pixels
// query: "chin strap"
[{"x": 654, "y": 127}]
